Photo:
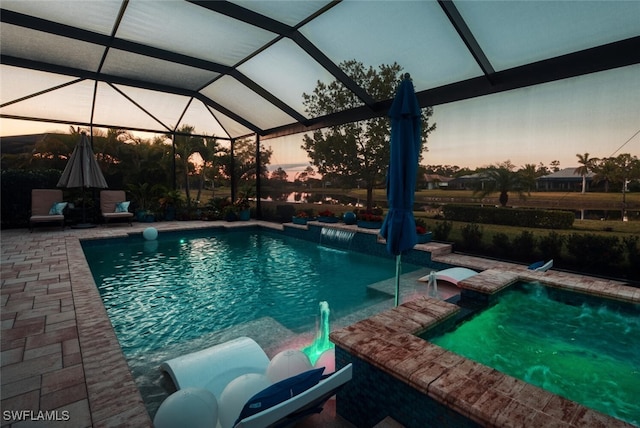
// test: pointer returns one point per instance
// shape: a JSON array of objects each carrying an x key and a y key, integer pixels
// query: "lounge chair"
[
  {"x": 46, "y": 207},
  {"x": 215, "y": 367},
  {"x": 541, "y": 266},
  {"x": 114, "y": 205},
  {"x": 452, "y": 275}
]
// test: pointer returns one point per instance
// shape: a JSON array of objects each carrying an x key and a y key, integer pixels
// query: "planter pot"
[
  {"x": 369, "y": 224},
  {"x": 299, "y": 220},
  {"x": 425, "y": 237},
  {"x": 170, "y": 213},
  {"x": 149, "y": 218},
  {"x": 327, "y": 219},
  {"x": 140, "y": 215},
  {"x": 231, "y": 217},
  {"x": 244, "y": 215}
]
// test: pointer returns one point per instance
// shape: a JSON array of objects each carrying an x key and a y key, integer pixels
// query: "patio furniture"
[
  {"x": 541, "y": 266},
  {"x": 451, "y": 275},
  {"x": 114, "y": 205},
  {"x": 280, "y": 404},
  {"x": 46, "y": 207}
]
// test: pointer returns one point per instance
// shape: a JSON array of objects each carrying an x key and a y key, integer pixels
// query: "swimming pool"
[
  {"x": 186, "y": 285},
  {"x": 575, "y": 348}
]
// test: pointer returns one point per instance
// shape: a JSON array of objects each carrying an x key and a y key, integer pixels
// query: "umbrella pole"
[{"x": 398, "y": 257}]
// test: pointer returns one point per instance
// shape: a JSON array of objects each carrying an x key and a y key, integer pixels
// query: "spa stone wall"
[{"x": 373, "y": 394}]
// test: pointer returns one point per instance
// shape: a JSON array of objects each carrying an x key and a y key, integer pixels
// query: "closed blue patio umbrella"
[{"x": 399, "y": 227}]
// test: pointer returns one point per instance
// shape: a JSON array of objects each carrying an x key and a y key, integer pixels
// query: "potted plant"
[
  {"x": 243, "y": 209},
  {"x": 327, "y": 216},
  {"x": 143, "y": 196},
  {"x": 302, "y": 216},
  {"x": 170, "y": 203},
  {"x": 370, "y": 219},
  {"x": 230, "y": 213},
  {"x": 421, "y": 230},
  {"x": 242, "y": 206},
  {"x": 213, "y": 209}
]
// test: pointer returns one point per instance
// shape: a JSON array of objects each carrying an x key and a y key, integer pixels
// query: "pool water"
[
  {"x": 176, "y": 289},
  {"x": 588, "y": 353}
]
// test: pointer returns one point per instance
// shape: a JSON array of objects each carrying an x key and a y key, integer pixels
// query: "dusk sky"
[{"x": 596, "y": 114}]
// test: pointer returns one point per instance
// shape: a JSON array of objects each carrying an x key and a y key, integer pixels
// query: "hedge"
[
  {"x": 544, "y": 219},
  {"x": 16, "y": 193}
]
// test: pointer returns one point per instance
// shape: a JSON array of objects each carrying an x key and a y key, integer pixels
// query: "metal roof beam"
[{"x": 467, "y": 36}]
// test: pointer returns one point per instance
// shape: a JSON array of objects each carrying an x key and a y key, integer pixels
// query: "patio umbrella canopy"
[
  {"x": 399, "y": 227},
  {"x": 82, "y": 171}
]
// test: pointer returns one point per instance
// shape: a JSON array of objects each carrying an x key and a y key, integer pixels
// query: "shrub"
[
  {"x": 472, "y": 236},
  {"x": 633, "y": 252},
  {"x": 546, "y": 219},
  {"x": 550, "y": 246},
  {"x": 284, "y": 213},
  {"x": 16, "y": 185},
  {"x": 501, "y": 244},
  {"x": 594, "y": 252},
  {"x": 442, "y": 230},
  {"x": 269, "y": 214},
  {"x": 524, "y": 245}
]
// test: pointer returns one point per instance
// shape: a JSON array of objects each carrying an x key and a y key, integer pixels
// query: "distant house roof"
[
  {"x": 429, "y": 178},
  {"x": 566, "y": 174},
  {"x": 475, "y": 176}
]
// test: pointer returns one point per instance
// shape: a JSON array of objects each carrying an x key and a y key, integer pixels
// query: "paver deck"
[{"x": 61, "y": 364}]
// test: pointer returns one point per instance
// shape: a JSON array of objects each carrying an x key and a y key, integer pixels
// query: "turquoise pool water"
[
  {"x": 586, "y": 352},
  {"x": 179, "y": 288}
]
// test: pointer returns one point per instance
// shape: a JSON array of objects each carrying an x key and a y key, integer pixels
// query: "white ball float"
[{"x": 150, "y": 233}]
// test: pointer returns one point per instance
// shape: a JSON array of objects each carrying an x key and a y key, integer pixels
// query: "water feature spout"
[
  {"x": 338, "y": 238},
  {"x": 321, "y": 342}
]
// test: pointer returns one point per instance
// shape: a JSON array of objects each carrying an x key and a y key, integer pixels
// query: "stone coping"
[
  {"x": 491, "y": 281},
  {"x": 389, "y": 342}
]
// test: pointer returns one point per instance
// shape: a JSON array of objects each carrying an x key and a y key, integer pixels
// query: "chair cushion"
[
  {"x": 536, "y": 265},
  {"x": 280, "y": 391},
  {"x": 57, "y": 208},
  {"x": 122, "y": 207}
]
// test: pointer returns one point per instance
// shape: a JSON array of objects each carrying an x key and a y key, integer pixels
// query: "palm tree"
[
  {"x": 628, "y": 168},
  {"x": 207, "y": 151},
  {"x": 528, "y": 174},
  {"x": 605, "y": 170},
  {"x": 502, "y": 179},
  {"x": 186, "y": 145},
  {"x": 587, "y": 165}
]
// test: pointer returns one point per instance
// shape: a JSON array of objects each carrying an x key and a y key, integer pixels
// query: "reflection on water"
[
  {"x": 312, "y": 198},
  {"x": 591, "y": 214}
]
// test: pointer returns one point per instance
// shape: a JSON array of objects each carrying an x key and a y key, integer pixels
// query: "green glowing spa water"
[{"x": 588, "y": 353}]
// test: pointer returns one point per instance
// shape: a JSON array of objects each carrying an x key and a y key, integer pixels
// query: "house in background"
[
  {"x": 436, "y": 181},
  {"x": 564, "y": 180},
  {"x": 466, "y": 182}
]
